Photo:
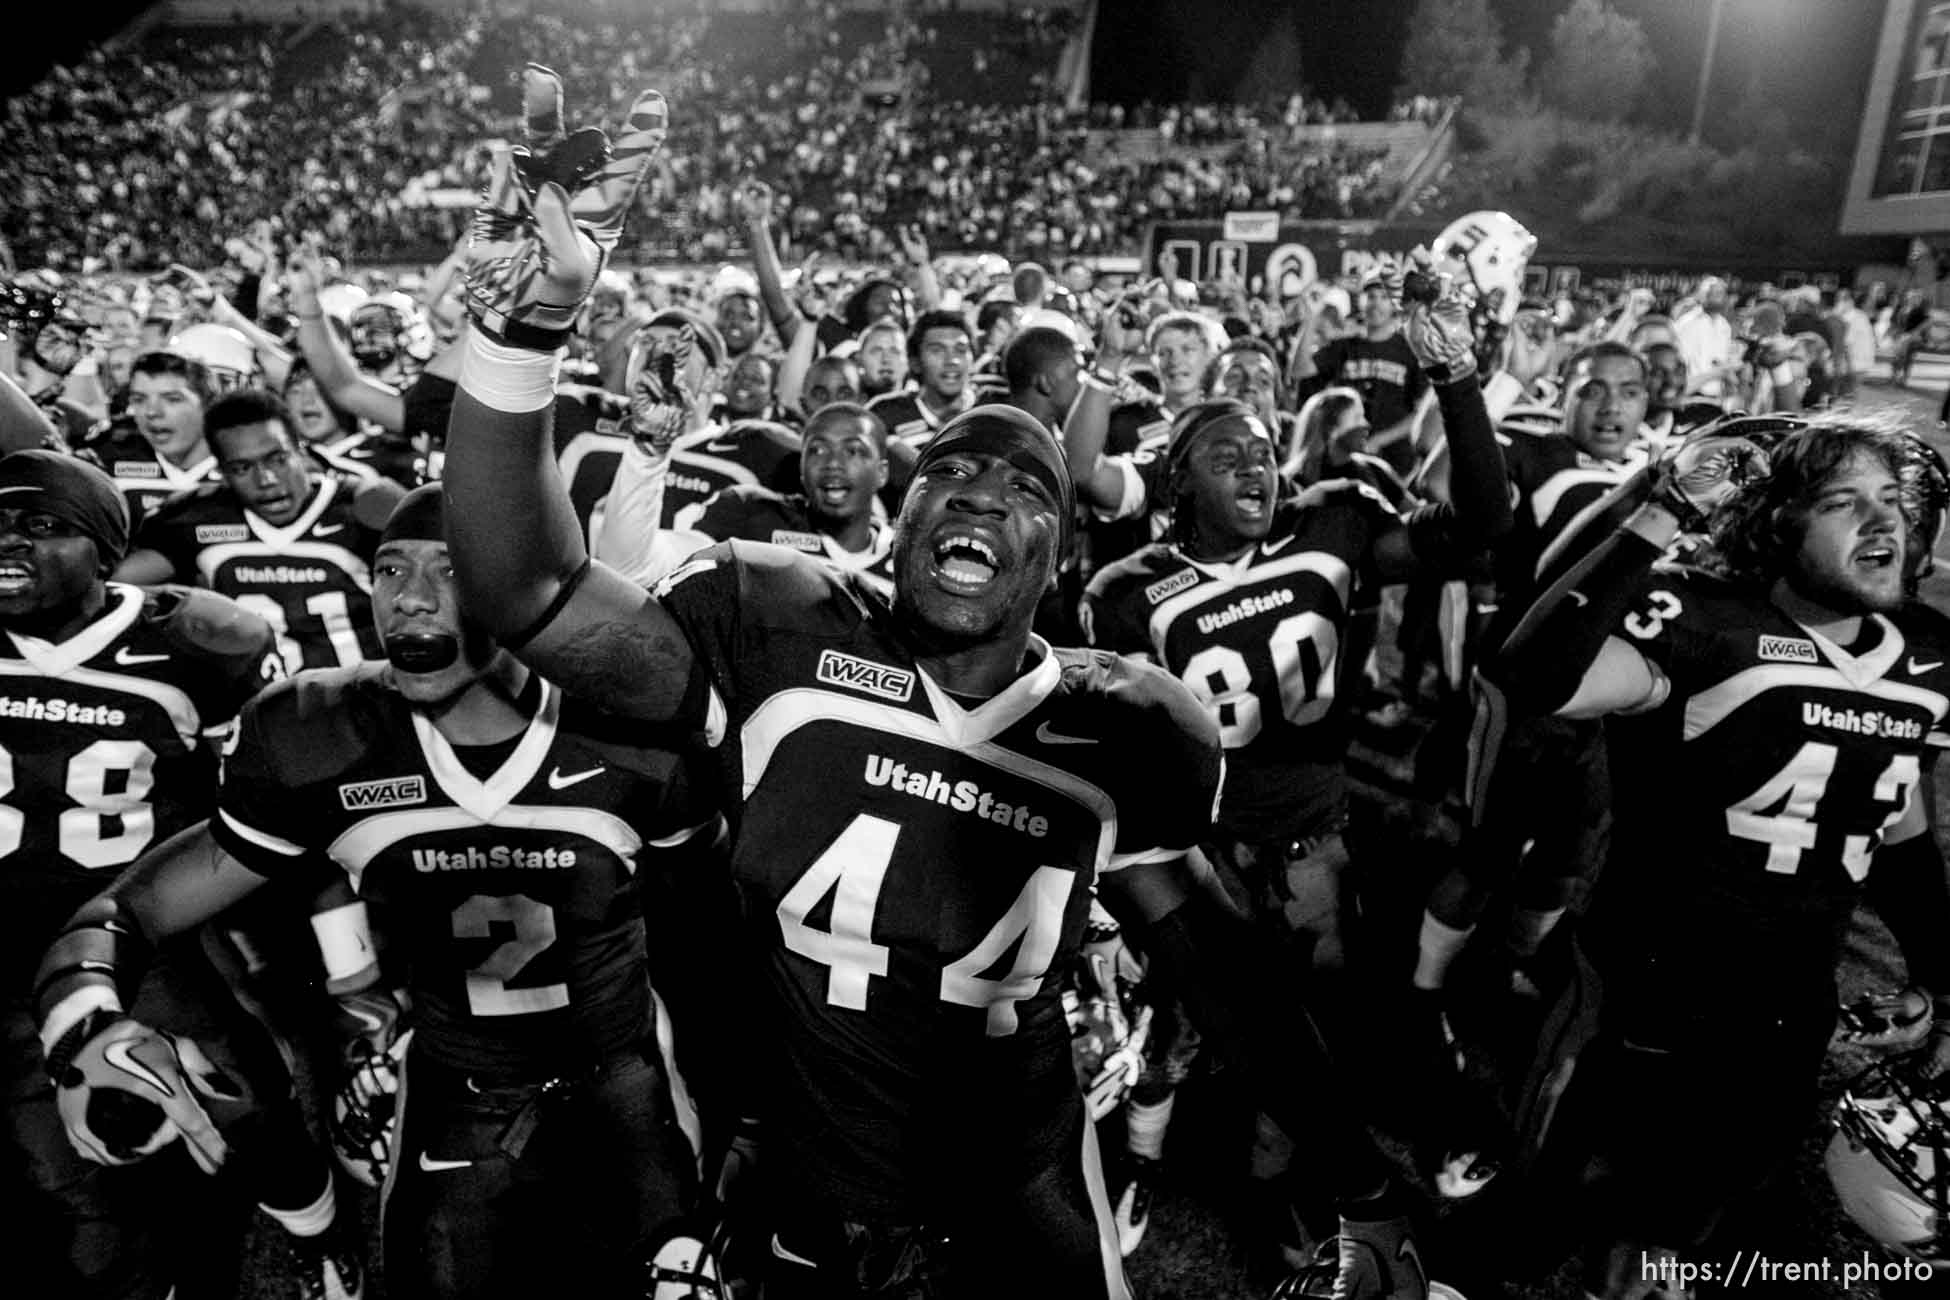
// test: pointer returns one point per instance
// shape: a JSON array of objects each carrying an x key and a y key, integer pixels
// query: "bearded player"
[
  {"x": 115, "y": 703},
  {"x": 499, "y": 832},
  {"x": 928, "y": 793},
  {"x": 1774, "y": 729}
]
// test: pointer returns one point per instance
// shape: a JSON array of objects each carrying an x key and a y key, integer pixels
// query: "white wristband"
[
  {"x": 344, "y": 938},
  {"x": 508, "y": 379}
]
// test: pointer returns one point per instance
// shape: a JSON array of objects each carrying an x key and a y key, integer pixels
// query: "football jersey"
[
  {"x": 1258, "y": 641},
  {"x": 1384, "y": 371},
  {"x": 705, "y": 463},
  {"x": 912, "y": 420},
  {"x": 311, "y": 579},
  {"x": 379, "y": 456},
  {"x": 591, "y": 432},
  {"x": 514, "y": 897},
  {"x": 1749, "y": 806},
  {"x": 925, "y": 865},
  {"x": 1555, "y": 491},
  {"x": 755, "y": 514},
  {"x": 146, "y": 479},
  {"x": 102, "y": 747}
]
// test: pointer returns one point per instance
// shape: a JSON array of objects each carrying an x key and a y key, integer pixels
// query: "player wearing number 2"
[
  {"x": 928, "y": 793},
  {"x": 497, "y": 831},
  {"x": 1774, "y": 726},
  {"x": 289, "y": 540}
]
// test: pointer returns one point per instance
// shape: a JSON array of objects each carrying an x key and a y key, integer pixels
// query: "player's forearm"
[
  {"x": 1478, "y": 482},
  {"x": 339, "y": 378},
  {"x": 792, "y": 370},
  {"x": 771, "y": 280},
  {"x": 1086, "y": 428},
  {"x": 1542, "y": 664},
  {"x": 512, "y": 528}
]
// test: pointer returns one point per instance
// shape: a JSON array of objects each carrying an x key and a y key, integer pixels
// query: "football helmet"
[
  {"x": 1487, "y": 253},
  {"x": 1320, "y": 1279},
  {"x": 687, "y": 1263},
  {"x": 223, "y": 351},
  {"x": 42, "y": 324},
  {"x": 1889, "y": 1158},
  {"x": 389, "y": 337}
]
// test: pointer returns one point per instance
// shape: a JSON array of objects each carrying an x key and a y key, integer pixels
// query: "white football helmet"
[
  {"x": 1487, "y": 253},
  {"x": 223, "y": 351},
  {"x": 1890, "y": 1158}
]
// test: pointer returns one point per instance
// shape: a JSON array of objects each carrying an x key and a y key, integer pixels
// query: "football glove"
[
  {"x": 366, "y": 1023},
  {"x": 660, "y": 401},
  {"x": 1436, "y": 323},
  {"x": 130, "y": 1091},
  {"x": 1702, "y": 472},
  {"x": 552, "y": 211}
]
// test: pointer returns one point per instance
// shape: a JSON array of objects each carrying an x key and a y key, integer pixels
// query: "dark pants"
[{"x": 531, "y": 1190}]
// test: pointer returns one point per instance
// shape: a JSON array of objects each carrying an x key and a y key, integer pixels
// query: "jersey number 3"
[
  {"x": 852, "y": 870},
  {"x": 1781, "y": 814}
]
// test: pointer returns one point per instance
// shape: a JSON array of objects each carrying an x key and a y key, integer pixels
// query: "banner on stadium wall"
[{"x": 1254, "y": 250}]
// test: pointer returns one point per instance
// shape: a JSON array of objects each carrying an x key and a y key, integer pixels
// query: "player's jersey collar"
[
  {"x": 280, "y": 537},
  {"x": 188, "y": 477},
  {"x": 1871, "y": 667},
  {"x": 487, "y": 799},
  {"x": 57, "y": 658},
  {"x": 995, "y": 715}
]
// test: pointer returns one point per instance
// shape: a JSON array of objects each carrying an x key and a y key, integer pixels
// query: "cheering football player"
[
  {"x": 499, "y": 830},
  {"x": 1775, "y": 728},
  {"x": 115, "y": 702},
  {"x": 928, "y": 793}
]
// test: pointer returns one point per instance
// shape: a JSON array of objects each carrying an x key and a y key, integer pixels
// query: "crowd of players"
[{"x": 683, "y": 809}]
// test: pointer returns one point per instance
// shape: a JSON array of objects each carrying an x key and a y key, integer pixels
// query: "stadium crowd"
[{"x": 783, "y": 758}]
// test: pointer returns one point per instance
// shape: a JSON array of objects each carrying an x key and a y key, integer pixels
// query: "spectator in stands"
[
  {"x": 1705, "y": 336},
  {"x": 1378, "y": 365}
]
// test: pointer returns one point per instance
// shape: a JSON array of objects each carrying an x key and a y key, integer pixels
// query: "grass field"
[{"x": 1196, "y": 1248}]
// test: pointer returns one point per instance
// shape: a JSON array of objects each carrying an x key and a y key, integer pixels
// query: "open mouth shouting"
[
  {"x": 965, "y": 563},
  {"x": 15, "y": 578},
  {"x": 1253, "y": 500},
  {"x": 834, "y": 493},
  {"x": 1874, "y": 557}
]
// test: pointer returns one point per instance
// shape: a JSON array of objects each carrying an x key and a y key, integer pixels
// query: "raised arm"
[
  {"x": 755, "y": 198},
  {"x": 517, "y": 546},
  {"x": 330, "y": 360}
]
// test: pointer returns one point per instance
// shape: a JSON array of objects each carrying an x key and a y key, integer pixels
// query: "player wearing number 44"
[
  {"x": 285, "y": 537},
  {"x": 929, "y": 792},
  {"x": 1774, "y": 726},
  {"x": 112, "y": 704},
  {"x": 497, "y": 832}
]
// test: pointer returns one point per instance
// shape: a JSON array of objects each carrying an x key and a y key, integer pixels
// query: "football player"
[
  {"x": 928, "y": 791},
  {"x": 115, "y": 701},
  {"x": 679, "y": 351},
  {"x": 843, "y": 463},
  {"x": 940, "y": 354},
  {"x": 1539, "y": 793},
  {"x": 499, "y": 830},
  {"x": 156, "y": 449},
  {"x": 1777, "y": 721},
  {"x": 286, "y": 538}
]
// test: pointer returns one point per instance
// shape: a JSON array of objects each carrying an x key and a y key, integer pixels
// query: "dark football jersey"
[
  {"x": 380, "y": 455},
  {"x": 1749, "y": 806},
  {"x": 1383, "y": 371},
  {"x": 146, "y": 479},
  {"x": 1555, "y": 490},
  {"x": 1258, "y": 641},
  {"x": 514, "y": 897},
  {"x": 102, "y": 747},
  {"x": 705, "y": 463},
  {"x": 926, "y": 864},
  {"x": 591, "y": 432},
  {"x": 913, "y": 421},
  {"x": 755, "y": 514},
  {"x": 310, "y": 578}
]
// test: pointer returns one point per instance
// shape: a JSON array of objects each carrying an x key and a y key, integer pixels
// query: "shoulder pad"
[
  {"x": 764, "y": 431},
  {"x": 1143, "y": 687},
  {"x": 316, "y": 692},
  {"x": 317, "y": 719},
  {"x": 1140, "y": 565},
  {"x": 206, "y": 622}
]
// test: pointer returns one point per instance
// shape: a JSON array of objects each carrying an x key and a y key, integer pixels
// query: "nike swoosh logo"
[
  {"x": 121, "y": 1055},
  {"x": 1917, "y": 668},
  {"x": 1048, "y": 737},
  {"x": 717, "y": 448},
  {"x": 129, "y": 659},
  {"x": 433, "y": 1166},
  {"x": 557, "y": 781},
  {"x": 1274, "y": 548},
  {"x": 326, "y": 530},
  {"x": 788, "y": 1256},
  {"x": 1580, "y": 598}
]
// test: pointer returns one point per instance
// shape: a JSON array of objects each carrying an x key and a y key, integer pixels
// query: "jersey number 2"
[
  {"x": 488, "y": 993},
  {"x": 852, "y": 870}
]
